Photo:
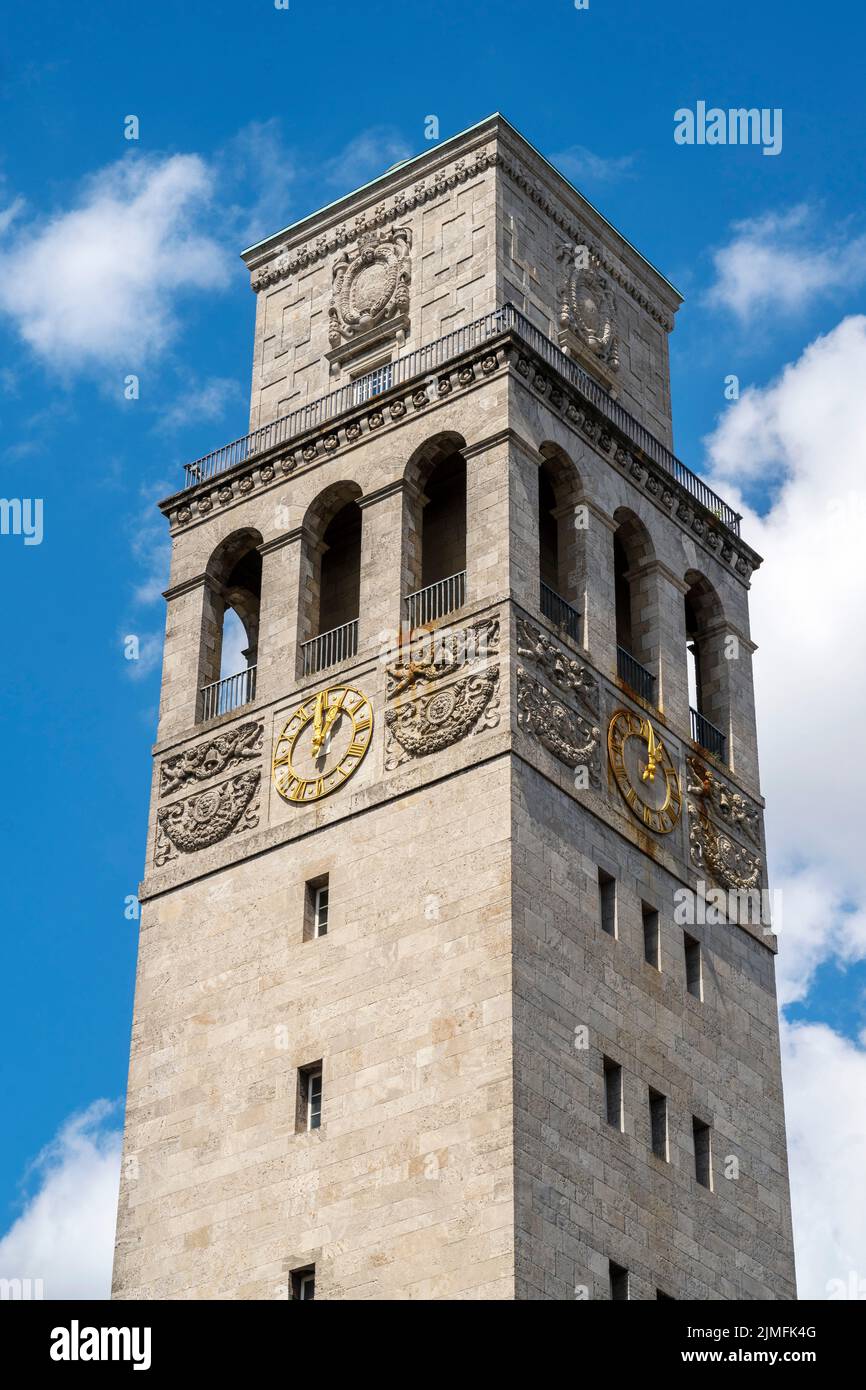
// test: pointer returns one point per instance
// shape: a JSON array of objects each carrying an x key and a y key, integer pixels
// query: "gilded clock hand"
[
  {"x": 319, "y": 722},
  {"x": 654, "y": 752},
  {"x": 330, "y": 717}
]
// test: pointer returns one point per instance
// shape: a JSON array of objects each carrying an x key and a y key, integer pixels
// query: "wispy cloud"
[
  {"x": 259, "y": 171},
  {"x": 780, "y": 262},
  {"x": 366, "y": 156},
  {"x": 65, "y": 1234},
  {"x": 584, "y": 166},
  {"x": 200, "y": 403}
]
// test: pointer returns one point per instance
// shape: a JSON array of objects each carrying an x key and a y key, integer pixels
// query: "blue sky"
[{"x": 120, "y": 257}]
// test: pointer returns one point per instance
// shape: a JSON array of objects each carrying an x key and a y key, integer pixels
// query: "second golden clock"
[{"x": 323, "y": 742}]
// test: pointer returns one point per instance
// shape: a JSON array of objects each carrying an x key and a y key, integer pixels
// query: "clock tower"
[{"x": 454, "y": 980}]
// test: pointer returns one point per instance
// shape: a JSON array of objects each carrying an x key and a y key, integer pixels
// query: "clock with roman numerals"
[
  {"x": 644, "y": 771},
  {"x": 322, "y": 744}
]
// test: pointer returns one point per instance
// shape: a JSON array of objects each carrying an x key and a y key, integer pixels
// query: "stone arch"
[
  {"x": 709, "y": 668},
  {"x": 330, "y": 572},
  {"x": 636, "y": 597},
  {"x": 233, "y": 583},
  {"x": 561, "y": 539},
  {"x": 434, "y": 526}
]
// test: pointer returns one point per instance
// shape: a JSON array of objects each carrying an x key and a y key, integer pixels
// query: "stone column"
[
  {"x": 385, "y": 565},
  {"x": 673, "y": 677},
  {"x": 596, "y": 598},
  {"x": 279, "y": 615},
  {"x": 193, "y": 630}
]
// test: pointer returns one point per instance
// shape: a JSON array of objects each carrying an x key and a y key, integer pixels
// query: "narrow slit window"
[
  {"x": 651, "y": 940},
  {"x": 303, "y": 1284},
  {"x": 703, "y": 1153},
  {"x": 658, "y": 1108},
  {"x": 694, "y": 966},
  {"x": 309, "y": 1104},
  {"x": 618, "y": 1281},
  {"x": 613, "y": 1093},
  {"x": 316, "y": 908},
  {"x": 607, "y": 902}
]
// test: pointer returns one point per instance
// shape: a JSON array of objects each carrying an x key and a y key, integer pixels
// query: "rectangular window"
[
  {"x": 651, "y": 942},
  {"x": 607, "y": 902},
  {"x": 309, "y": 1105},
  {"x": 303, "y": 1284},
  {"x": 703, "y": 1153},
  {"x": 694, "y": 966},
  {"x": 316, "y": 901},
  {"x": 613, "y": 1092},
  {"x": 658, "y": 1107},
  {"x": 618, "y": 1281}
]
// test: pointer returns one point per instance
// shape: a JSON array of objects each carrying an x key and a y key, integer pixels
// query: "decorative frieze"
[
  {"x": 587, "y": 317},
  {"x": 199, "y": 821},
  {"x": 561, "y": 730},
  {"x": 230, "y": 749},
  {"x": 440, "y": 654},
  {"x": 370, "y": 292},
  {"x": 568, "y": 675},
  {"x": 723, "y": 803},
  {"x": 414, "y": 728},
  {"x": 714, "y": 853}
]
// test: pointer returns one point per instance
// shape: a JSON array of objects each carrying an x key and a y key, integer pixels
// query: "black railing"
[
  {"x": 560, "y": 612},
  {"x": 446, "y": 595},
  {"x": 329, "y": 648},
  {"x": 220, "y": 697},
  {"x": 427, "y": 359},
  {"x": 708, "y": 736},
  {"x": 637, "y": 677}
]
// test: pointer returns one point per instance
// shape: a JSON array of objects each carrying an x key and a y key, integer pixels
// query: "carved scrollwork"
[
  {"x": 561, "y": 669},
  {"x": 435, "y": 721},
  {"x": 440, "y": 654},
  {"x": 370, "y": 283},
  {"x": 564, "y": 732},
  {"x": 713, "y": 852},
  {"x": 206, "y": 760},
  {"x": 201, "y": 820}
]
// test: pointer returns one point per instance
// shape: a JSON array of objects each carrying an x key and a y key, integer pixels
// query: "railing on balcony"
[
  {"x": 221, "y": 697},
  {"x": 637, "y": 677},
  {"x": 560, "y": 612},
  {"x": 429, "y": 358},
  {"x": 372, "y": 384},
  {"x": 426, "y": 605},
  {"x": 707, "y": 735},
  {"x": 329, "y": 648}
]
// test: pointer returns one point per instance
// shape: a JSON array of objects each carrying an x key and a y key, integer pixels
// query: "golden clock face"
[
  {"x": 644, "y": 772},
  {"x": 322, "y": 744}
]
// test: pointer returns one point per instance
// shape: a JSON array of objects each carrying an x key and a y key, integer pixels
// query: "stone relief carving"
[
  {"x": 205, "y": 760},
  {"x": 586, "y": 311},
  {"x": 564, "y": 732},
  {"x": 561, "y": 670},
  {"x": 714, "y": 853},
  {"x": 723, "y": 802},
  {"x": 371, "y": 284},
  {"x": 201, "y": 820},
  {"x": 433, "y": 722},
  {"x": 440, "y": 654}
]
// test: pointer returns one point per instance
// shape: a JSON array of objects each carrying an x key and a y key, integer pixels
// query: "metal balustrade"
[
  {"x": 428, "y": 359},
  {"x": 708, "y": 736},
  {"x": 560, "y": 612},
  {"x": 330, "y": 647},
  {"x": 221, "y": 697},
  {"x": 434, "y": 601},
  {"x": 637, "y": 677}
]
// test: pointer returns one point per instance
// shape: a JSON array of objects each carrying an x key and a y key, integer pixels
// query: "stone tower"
[{"x": 435, "y": 997}]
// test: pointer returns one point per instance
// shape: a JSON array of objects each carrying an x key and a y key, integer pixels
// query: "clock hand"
[
  {"x": 318, "y": 723},
  {"x": 333, "y": 711}
]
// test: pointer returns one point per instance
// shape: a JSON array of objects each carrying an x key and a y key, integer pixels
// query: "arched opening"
[
  {"x": 230, "y": 636},
  {"x": 331, "y": 585},
  {"x": 560, "y": 533},
  {"x": 636, "y": 605},
  {"x": 435, "y": 553},
  {"x": 707, "y": 667}
]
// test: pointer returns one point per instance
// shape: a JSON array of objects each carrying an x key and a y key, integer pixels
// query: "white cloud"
[
  {"x": 9, "y": 214},
  {"x": 365, "y": 157},
  {"x": 777, "y": 262},
  {"x": 583, "y": 166},
  {"x": 65, "y": 1235},
  {"x": 261, "y": 170},
  {"x": 200, "y": 402},
  {"x": 801, "y": 437},
  {"x": 825, "y": 1099},
  {"x": 98, "y": 284}
]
